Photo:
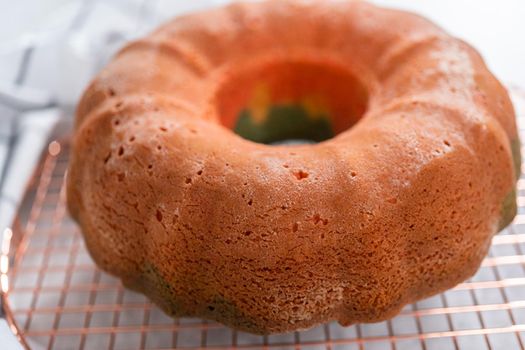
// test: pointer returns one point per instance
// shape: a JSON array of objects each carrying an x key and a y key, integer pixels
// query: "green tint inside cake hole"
[
  {"x": 273, "y": 101},
  {"x": 284, "y": 122}
]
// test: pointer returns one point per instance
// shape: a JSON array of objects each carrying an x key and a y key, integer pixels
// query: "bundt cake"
[{"x": 180, "y": 191}]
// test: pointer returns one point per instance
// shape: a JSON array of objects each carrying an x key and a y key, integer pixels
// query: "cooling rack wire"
[{"x": 56, "y": 298}]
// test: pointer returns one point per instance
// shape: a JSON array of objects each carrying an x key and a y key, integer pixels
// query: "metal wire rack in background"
[{"x": 55, "y": 297}]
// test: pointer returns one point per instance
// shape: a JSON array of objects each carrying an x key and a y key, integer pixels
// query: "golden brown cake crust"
[{"x": 276, "y": 238}]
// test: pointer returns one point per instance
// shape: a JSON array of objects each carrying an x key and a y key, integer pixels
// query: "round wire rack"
[{"x": 56, "y": 298}]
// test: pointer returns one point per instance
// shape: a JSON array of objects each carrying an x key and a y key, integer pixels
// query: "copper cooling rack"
[{"x": 56, "y": 298}]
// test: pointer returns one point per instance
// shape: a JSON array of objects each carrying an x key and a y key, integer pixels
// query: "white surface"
[
  {"x": 8, "y": 343},
  {"x": 495, "y": 28},
  {"x": 8, "y": 63},
  {"x": 35, "y": 128}
]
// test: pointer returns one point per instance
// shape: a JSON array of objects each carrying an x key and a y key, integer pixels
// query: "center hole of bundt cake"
[{"x": 291, "y": 101}]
